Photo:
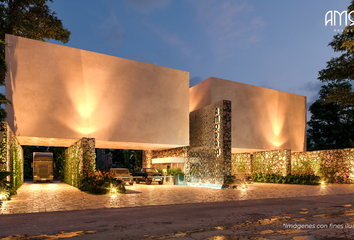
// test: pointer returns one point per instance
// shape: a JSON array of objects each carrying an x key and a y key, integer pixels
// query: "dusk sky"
[{"x": 275, "y": 44}]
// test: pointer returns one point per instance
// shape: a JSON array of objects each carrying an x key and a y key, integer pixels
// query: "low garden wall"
[
  {"x": 79, "y": 161},
  {"x": 265, "y": 162},
  {"x": 324, "y": 163}
]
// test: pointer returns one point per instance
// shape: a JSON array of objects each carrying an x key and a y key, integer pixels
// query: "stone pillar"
[
  {"x": 209, "y": 154},
  {"x": 226, "y": 137},
  {"x": 79, "y": 161},
  {"x": 147, "y": 158}
]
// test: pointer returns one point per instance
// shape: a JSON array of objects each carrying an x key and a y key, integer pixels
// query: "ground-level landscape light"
[
  {"x": 2, "y": 196},
  {"x": 113, "y": 190}
]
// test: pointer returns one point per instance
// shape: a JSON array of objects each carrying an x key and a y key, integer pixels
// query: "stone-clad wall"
[
  {"x": 79, "y": 161},
  {"x": 208, "y": 161},
  {"x": 325, "y": 163},
  {"x": 203, "y": 163},
  {"x": 266, "y": 162},
  {"x": 226, "y": 136},
  {"x": 241, "y": 163}
]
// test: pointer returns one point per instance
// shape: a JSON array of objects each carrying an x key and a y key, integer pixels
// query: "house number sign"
[{"x": 217, "y": 150}]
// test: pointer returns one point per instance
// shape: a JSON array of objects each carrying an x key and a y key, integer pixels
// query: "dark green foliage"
[
  {"x": 131, "y": 159},
  {"x": 6, "y": 188},
  {"x": 3, "y": 71},
  {"x": 229, "y": 179},
  {"x": 341, "y": 68},
  {"x": 101, "y": 183},
  {"x": 16, "y": 165},
  {"x": 174, "y": 172},
  {"x": 59, "y": 161},
  {"x": 305, "y": 179},
  {"x": 3, "y": 64},
  {"x": 331, "y": 125},
  {"x": 72, "y": 174}
]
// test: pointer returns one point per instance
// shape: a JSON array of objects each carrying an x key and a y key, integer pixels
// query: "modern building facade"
[{"x": 61, "y": 94}]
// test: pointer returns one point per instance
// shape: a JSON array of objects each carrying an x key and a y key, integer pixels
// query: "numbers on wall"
[{"x": 217, "y": 150}]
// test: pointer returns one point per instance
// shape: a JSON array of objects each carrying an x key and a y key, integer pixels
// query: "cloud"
[
  {"x": 195, "y": 80},
  {"x": 148, "y": 6},
  {"x": 312, "y": 86},
  {"x": 111, "y": 29},
  {"x": 229, "y": 25},
  {"x": 170, "y": 38}
]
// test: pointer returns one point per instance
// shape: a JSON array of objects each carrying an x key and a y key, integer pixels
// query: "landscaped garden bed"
[
  {"x": 6, "y": 188},
  {"x": 102, "y": 183},
  {"x": 307, "y": 179}
]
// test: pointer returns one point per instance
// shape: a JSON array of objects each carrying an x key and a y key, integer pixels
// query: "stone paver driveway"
[{"x": 49, "y": 197}]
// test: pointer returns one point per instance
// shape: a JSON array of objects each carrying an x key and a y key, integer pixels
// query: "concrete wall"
[
  {"x": 61, "y": 94},
  {"x": 262, "y": 119}
]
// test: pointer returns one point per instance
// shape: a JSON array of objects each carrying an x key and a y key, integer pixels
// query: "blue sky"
[{"x": 275, "y": 44}]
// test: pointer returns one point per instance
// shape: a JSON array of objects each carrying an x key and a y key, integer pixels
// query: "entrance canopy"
[{"x": 168, "y": 160}]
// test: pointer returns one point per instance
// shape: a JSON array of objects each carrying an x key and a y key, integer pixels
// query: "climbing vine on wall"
[
  {"x": 16, "y": 165},
  {"x": 11, "y": 157},
  {"x": 3, "y": 148},
  {"x": 72, "y": 161},
  {"x": 326, "y": 163},
  {"x": 79, "y": 161},
  {"x": 241, "y": 163}
]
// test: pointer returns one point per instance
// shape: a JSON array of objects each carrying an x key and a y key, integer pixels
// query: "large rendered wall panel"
[
  {"x": 61, "y": 94},
  {"x": 262, "y": 119}
]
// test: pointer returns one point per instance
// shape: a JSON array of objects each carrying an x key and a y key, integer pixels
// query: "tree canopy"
[
  {"x": 341, "y": 69},
  {"x": 332, "y": 124},
  {"x": 31, "y": 19}
]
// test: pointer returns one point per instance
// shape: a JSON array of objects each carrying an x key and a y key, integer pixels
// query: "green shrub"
[
  {"x": 228, "y": 180},
  {"x": 174, "y": 172},
  {"x": 101, "y": 183},
  {"x": 6, "y": 188},
  {"x": 306, "y": 179}
]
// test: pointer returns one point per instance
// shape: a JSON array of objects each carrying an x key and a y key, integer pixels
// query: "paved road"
[{"x": 250, "y": 219}]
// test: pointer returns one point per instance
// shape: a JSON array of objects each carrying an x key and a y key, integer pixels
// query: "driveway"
[{"x": 51, "y": 197}]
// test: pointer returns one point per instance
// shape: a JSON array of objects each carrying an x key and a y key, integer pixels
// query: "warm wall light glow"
[
  {"x": 277, "y": 120},
  {"x": 84, "y": 111}
]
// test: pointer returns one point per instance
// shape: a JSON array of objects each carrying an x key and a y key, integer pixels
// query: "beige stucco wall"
[
  {"x": 65, "y": 93},
  {"x": 200, "y": 95},
  {"x": 262, "y": 119}
]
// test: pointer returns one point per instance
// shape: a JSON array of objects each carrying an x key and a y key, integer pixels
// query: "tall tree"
[
  {"x": 341, "y": 69},
  {"x": 332, "y": 124},
  {"x": 31, "y": 19},
  {"x": 3, "y": 69}
]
